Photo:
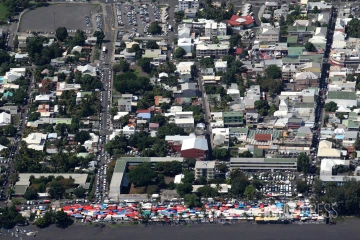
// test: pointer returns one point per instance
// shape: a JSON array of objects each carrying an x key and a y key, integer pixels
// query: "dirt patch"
[
  {"x": 169, "y": 179},
  {"x": 137, "y": 190}
]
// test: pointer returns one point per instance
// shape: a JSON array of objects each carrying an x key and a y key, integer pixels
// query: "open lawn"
[{"x": 3, "y": 12}]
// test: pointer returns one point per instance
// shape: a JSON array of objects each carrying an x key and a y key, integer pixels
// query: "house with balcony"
[
  {"x": 268, "y": 33},
  {"x": 205, "y": 50},
  {"x": 234, "y": 118}
]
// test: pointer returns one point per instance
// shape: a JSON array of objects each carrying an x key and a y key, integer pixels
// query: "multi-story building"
[
  {"x": 205, "y": 169},
  {"x": 203, "y": 50},
  {"x": 213, "y": 29},
  {"x": 124, "y": 105},
  {"x": 188, "y": 5},
  {"x": 263, "y": 164},
  {"x": 268, "y": 34},
  {"x": 235, "y": 118}
]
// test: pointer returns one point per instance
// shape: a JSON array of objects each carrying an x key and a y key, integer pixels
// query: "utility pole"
[{"x": 54, "y": 21}]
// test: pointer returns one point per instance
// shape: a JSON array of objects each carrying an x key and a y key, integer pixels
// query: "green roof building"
[{"x": 234, "y": 118}]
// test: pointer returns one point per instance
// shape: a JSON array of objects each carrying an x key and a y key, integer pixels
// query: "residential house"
[
  {"x": 184, "y": 71},
  {"x": 5, "y": 119},
  {"x": 213, "y": 29},
  {"x": 295, "y": 123},
  {"x": 288, "y": 71},
  {"x": 63, "y": 86},
  {"x": 187, "y": 90},
  {"x": 239, "y": 133},
  {"x": 186, "y": 44},
  {"x": 252, "y": 95},
  {"x": 36, "y": 141},
  {"x": 87, "y": 69},
  {"x": 304, "y": 80},
  {"x": 221, "y": 66},
  {"x": 268, "y": 34},
  {"x": 204, "y": 50},
  {"x": 251, "y": 117}
]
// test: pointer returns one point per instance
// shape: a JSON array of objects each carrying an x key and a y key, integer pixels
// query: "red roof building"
[
  {"x": 241, "y": 22},
  {"x": 239, "y": 51},
  {"x": 262, "y": 137}
]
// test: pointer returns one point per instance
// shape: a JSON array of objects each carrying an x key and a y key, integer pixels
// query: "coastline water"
[{"x": 342, "y": 231}]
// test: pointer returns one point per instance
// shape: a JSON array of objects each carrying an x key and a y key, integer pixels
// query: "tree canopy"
[
  {"x": 142, "y": 175},
  {"x": 273, "y": 72},
  {"x": 331, "y": 107},
  {"x": 152, "y": 45},
  {"x": 129, "y": 82},
  {"x": 303, "y": 162},
  {"x": 353, "y": 28},
  {"x": 61, "y": 33},
  {"x": 179, "y": 52},
  {"x": 154, "y": 28},
  {"x": 310, "y": 47},
  {"x": 262, "y": 107}
]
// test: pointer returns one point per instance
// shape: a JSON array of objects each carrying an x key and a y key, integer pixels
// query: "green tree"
[
  {"x": 30, "y": 194},
  {"x": 179, "y": 15},
  {"x": 262, "y": 107},
  {"x": 273, "y": 72},
  {"x": 221, "y": 153},
  {"x": 34, "y": 116},
  {"x": 56, "y": 190},
  {"x": 80, "y": 192},
  {"x": 179, "y": 52},
  {"x": 100, "y": 37},
  {"x": 62, "y": 219},
  {"x": 145, "y": 64},
  {"x": 303, "y": 162},
  {"x": 207, "y": 191},
  {"x": 207, "y": 62},
  {"x": 250, "y": 192},
  {"x": 82, "y": 136},
  {"x": 302, "y": 187},
  {"x": 184, "y": 188},
  {"x": 310, "y": 47},
  {"x": 142, "y": 175},
  {"x": 152, "y": 45},
  {"x": 191, "y": 200},
  {"x": 154, "y": 28},
  {"x": 246, "y": 154},
  {"x": 331, "y": 107},
  {"x": 123, "y": 66},
  {"x": 169, "y": 129},
  {"x": 4, "y": 141},
  {"x": 61, "y": 33},
  {"x": 239, "y": 182}
]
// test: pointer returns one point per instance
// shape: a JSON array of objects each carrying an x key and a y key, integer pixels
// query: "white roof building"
[
  {"x": 36, "y": 141},
  {"x": 195, "y": 143},
  {"x": 5, "y": 119},
  {"x": 325, "y": 150},
  {"x": 87, "y": 69}
]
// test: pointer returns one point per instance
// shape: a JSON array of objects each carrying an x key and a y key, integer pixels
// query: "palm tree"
[
  {"x": 181, "y": 216},
  {"x": 221, "y": 216},
  {"x": 197, "y": 217},
  {"x": 206, "y": 216}
]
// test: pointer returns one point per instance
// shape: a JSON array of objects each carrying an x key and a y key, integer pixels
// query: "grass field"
[{"x": 3, "y": 12}]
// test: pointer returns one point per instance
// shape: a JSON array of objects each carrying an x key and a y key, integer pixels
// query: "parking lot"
[
  {"x": 47, "y": 19},
  {"x": 138, "y": 17}
]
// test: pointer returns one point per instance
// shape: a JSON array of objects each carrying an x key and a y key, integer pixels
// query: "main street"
[
  {"x": 106, "y": 98},
  {"x": 319, "y": 120}
]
